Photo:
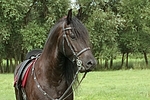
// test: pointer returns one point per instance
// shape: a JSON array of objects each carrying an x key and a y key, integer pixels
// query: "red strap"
[
  {"x": 26, "y": 74},
  {"x": 15, "y": 80}
]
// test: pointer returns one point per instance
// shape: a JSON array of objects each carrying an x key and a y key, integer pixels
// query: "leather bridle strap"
[
  {"x": 45, "y": 93},
  {"x": 68, "y": 43},
  {"x": 76, "y": 55},
  {"x": 83, "y": 50}
]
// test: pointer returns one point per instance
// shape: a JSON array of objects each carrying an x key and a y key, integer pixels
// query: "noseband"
[{"x": 75, "y": 55}]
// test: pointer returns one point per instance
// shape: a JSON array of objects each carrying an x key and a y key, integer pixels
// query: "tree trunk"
[
  {"x": 106, "y": 63},
  {"x": 1, "y": 66},
  {"x": 111, "y": 62},
  {"x": 7, "y": 66},
  {"x": 127, "y": 66},
  {"x": 122, "y": 61},
  {"x": 146, "y": 59},
  {"x": 11, "y": 65}
]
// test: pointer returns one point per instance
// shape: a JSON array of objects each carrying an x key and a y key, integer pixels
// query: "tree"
[
  {"x": 39, "y": 18},
  {"x": 11, "y": 24},
  {"x": 103, "y": 29},
  {"x": 130, "y": 19},
  {"x": 25, "y": 25},
  {"x": 129, "y": 39}
]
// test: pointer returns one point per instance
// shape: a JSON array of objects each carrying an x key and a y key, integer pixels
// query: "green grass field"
[{"x": 106, "y": 85}]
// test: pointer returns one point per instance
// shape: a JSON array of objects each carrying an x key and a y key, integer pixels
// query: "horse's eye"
[{"x": 72, "y": 35}]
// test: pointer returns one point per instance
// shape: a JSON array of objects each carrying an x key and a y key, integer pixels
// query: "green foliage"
[
  {"x": 117, "y": 25},
  {"x": 114, "y": 25},
  {"x": 103, "y": 29},
  {"x": 132, "y": 34},
  {"x": 33, "y": 36},
  {"x": 26, "y": 23}
]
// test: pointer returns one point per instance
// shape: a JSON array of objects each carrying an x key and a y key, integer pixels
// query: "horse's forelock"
[{"x": 80, "y": 30}]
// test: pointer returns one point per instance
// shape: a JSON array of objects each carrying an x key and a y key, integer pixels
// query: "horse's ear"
[
  {"x": 69, "y": 16},
  {"x": 79, "y": 13}
]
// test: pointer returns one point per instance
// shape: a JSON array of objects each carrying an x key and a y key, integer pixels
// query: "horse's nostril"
[{"x": 89, "y": 63}]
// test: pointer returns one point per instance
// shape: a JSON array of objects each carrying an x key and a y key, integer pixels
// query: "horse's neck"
[
  {"x": 51, "y": 76},
  {"x": 51, "y": 66},
  {"x": 53, "y": 70},
  {"x": 51, "y": 63}
]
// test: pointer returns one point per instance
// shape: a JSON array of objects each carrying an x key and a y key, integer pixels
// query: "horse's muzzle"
[{"x": 88, "y": 66}]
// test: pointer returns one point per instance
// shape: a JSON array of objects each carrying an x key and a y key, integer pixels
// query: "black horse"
[{"x": 65, "y": 54}]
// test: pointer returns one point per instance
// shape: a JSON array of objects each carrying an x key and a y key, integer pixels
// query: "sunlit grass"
[
  {"x": 105, "y": 85},
  {"x": 115, "y": 85},
  {"x": 6, "y": 87}
]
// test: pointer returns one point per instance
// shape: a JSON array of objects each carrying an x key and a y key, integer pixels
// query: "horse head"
[{"x": 75, "y": 43}]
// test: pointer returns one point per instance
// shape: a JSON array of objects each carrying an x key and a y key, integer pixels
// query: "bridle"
[
  {"x": 78, "y": 63},
  {"x": 75, "y": 55}
]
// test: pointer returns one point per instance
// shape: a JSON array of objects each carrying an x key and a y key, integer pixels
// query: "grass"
[
  {"x": 6, "y": 87},
  {"x": 116, "y": 85},
  {"x": 106, "y": 85}
]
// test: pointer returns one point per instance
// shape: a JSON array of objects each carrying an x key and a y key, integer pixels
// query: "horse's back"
[{"x": 29, "y": 55}]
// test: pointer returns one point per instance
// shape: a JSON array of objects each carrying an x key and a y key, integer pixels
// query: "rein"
[{"x": 45, "y": 93}]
